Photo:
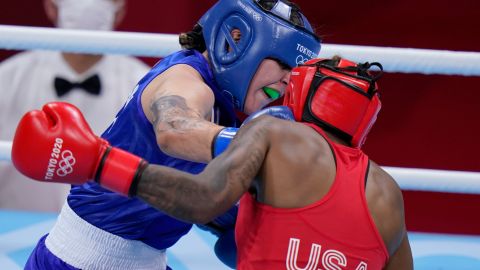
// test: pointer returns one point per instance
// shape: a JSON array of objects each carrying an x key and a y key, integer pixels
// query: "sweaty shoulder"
[
  {"x": 385, "y": 203},
  {"x": 299, "y": 167}
]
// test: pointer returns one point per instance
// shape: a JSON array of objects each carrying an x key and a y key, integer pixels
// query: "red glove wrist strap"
[{"x": 118, "y": 170}]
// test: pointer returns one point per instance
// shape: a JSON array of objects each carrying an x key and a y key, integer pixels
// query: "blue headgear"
[{"x": 264, "y": 34}]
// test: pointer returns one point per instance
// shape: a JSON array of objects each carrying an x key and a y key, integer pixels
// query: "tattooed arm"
[
  {"x": 200, "y": 198},
  {"x": 179, "y": 105}
]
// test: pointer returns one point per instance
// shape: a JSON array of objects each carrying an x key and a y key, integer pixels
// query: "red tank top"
[{"x": 336, "y": 232}]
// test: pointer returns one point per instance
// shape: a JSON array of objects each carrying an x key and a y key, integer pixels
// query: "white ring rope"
[
  {"x": 436, "y": 180},
  {"x": 83, "y": 41},
  {"x": 5, "y": 151},
  {"x": 407, "y": 178},
  {"x": 402, "y": 60}
]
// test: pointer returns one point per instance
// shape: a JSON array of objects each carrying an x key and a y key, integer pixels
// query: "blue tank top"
[{"x": 131, "y": 218}]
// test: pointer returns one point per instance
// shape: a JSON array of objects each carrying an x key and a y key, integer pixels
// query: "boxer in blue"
[{"x": 238, "y": 57}]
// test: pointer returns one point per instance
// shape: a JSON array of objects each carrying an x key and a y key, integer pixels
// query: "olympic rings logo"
[
  {"x": 257, "y": 17},
  {"x": 300, "y": 60},
  {"x": 66, "y": 164}
]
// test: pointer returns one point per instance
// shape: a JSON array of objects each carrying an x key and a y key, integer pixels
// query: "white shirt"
[{"x": 27, "y": 83}]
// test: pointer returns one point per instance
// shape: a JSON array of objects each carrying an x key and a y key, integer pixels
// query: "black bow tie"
[{"x": 91, "y": 85}]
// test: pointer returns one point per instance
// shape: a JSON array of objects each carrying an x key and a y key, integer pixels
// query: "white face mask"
[{"x": 87, "y": 14}]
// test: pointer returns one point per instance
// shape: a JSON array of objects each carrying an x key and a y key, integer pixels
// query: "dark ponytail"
[{"x": 193, "y": 40}]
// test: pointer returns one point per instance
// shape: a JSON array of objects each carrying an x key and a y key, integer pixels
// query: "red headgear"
[{"x": 337, "y": 95}]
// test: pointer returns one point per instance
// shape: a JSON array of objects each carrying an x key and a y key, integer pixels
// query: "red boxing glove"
[{"x": 57, "y": 145}]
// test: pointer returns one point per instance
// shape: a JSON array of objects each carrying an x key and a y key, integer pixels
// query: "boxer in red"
[{"x": 309, "y": 197}]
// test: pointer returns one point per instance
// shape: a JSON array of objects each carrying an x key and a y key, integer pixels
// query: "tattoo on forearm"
[
  {"x": 175, "y": 193},
  {"x": 248, "y": 153},
  {"x": 197, "y": 198},
  {"x": 172, "y": 112}
]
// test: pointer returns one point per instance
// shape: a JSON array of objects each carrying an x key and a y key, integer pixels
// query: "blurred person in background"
[{"x": 98, "y": 84}]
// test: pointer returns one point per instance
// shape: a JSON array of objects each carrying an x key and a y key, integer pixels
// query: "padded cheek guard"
[
  {"x": 264, "y": 34},
  {"x": 340, "y": 98},
  {"x": 369, "y": 118}
]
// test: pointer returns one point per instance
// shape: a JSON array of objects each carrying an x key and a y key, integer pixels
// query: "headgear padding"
[
  {"x": 336, "y": 94},
  {"x": 264, "y": 34}
]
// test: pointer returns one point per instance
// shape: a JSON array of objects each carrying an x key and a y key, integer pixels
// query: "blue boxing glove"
[
  {"x": 222, "y": 223},
  {"x": 225, "y": 136},
  {"x": 222, "y": 140},
  {"x": 224, "y": 228},
  {"x": 226, "y": 249},
  {"x": 281, "y": 112}
]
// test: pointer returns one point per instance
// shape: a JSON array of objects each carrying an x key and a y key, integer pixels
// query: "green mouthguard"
[{"x": 271, "y": 93}]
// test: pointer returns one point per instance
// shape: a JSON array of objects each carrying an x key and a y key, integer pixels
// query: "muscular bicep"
[
  {"x": 402, "y": 258},
  {"x": 179, "y": 104},
  {"x": 385, "y": 202}
]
